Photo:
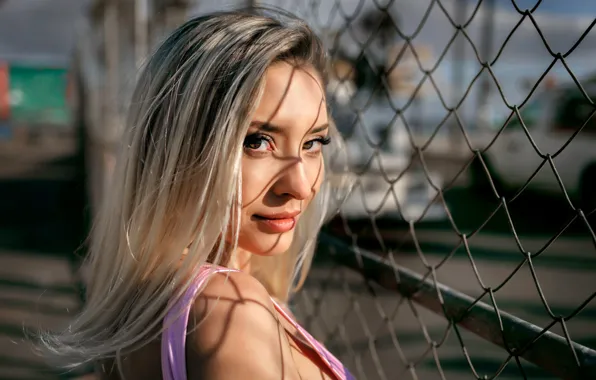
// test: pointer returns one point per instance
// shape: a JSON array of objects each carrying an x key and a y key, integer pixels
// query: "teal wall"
[{"x": 38, "y": 95}]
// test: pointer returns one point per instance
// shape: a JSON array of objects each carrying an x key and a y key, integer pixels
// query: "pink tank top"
[{"x": 173, "y": 343}]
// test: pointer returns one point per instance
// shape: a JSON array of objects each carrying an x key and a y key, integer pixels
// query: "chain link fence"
[
  {"x": 447, "y": 260},
  {"x": 459, "y": 116}
]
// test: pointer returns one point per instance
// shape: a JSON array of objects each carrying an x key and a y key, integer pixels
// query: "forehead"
[{"x": 292, "y": 95}]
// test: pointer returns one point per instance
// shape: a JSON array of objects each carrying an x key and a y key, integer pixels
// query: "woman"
[{"x": 213, "y": 211}]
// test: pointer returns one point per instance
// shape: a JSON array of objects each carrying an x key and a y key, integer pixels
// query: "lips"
[{"x": 277, "y": 222}]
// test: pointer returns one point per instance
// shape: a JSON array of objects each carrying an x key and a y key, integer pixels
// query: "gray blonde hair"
[{"x": 177, "y": 183}]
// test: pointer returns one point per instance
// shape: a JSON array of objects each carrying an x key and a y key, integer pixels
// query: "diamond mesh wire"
[{"x": 457, "y": 299}]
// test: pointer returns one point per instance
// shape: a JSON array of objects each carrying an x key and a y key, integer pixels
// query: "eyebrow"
[{"x": 272, "y": 128}]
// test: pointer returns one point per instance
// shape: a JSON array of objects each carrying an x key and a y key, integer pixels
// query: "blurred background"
[{"x": 473, "y": 150}]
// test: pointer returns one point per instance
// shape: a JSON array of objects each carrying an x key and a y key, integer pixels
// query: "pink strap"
[
  {"x": 173, "y": 344},
  {"x": 332, "y": 362}
]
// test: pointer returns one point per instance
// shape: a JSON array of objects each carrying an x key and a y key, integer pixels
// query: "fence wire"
[{"x": 418, "y": 309}]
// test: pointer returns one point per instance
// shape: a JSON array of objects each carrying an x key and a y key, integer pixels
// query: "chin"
[{"x": 262, "y": 244}]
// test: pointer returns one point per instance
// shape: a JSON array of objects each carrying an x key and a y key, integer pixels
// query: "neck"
[{"x": 242, "y": 261}]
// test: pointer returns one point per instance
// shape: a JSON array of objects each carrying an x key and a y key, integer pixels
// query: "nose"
[{"x": 294, "y": 181}]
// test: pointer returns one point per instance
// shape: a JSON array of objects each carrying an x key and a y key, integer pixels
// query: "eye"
[
  {"x": 315, "y": 145},
  {"x": 258, "y": 143}
]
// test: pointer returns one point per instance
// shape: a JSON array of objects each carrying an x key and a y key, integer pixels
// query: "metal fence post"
[
  {"x": 112, "y": 64},
  {"x": 488, "y": 29},
  {"x": 459, "y": 65},
  {"x": 141, "y": 31}
]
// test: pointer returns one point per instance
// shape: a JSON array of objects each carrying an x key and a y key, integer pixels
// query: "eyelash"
[
  {"x": 323, "y": 140},
  {"x": 257, "y": 137}
]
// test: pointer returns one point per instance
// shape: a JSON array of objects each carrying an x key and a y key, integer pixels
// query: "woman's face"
[{"x": 282, "y": 167}]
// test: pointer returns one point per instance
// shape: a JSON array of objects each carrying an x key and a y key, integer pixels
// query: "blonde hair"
[{"x": 178, "y": 179}]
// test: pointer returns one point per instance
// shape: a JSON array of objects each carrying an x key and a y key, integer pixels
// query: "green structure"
[{"x": 38, "y": 96}]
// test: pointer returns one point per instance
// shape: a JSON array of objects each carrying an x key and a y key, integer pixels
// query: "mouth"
[{"x": 277, "y": 223}]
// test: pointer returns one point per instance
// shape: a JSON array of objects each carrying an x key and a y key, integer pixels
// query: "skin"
[
  {"x": 236, "y": 331},
  {"x": 282, "y": 168}
]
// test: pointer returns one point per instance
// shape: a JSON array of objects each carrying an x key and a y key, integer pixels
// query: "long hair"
[{"x": 177, "y": 182}]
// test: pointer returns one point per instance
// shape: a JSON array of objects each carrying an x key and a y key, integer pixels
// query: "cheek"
[{"x": 256, "y": 178}]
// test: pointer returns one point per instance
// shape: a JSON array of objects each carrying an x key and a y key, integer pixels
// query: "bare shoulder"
[{"x": 236, "y": 333}]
